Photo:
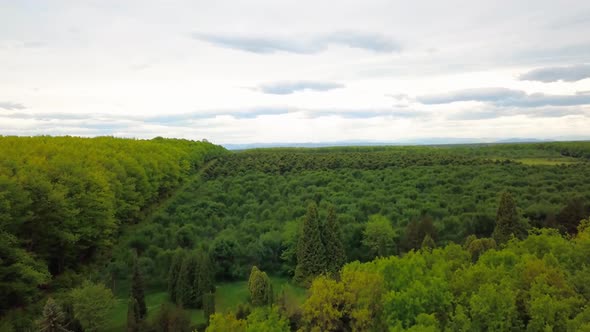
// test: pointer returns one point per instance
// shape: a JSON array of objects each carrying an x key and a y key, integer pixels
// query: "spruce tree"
[
  {"x": 203, "y": 281},
  {"x": 208, "y": 305},
  {"x": 311, "y": 255},
  {"x": 173, "y": 274},
  {"x": 133, "y": 315},
  {"x": 137, "y": 289},
  {"x": 506, "y": 219},
  {"x": 335, "y": 255},
  {"x": 185, "y": 291},
  {"x": 53, "y": 318}
]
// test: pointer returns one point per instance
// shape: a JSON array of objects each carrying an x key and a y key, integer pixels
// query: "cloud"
[
  {"x": 7, "y": 105},
  {"x": 289, "y": 87},
  {"x": 263, "y": 45},
  {"x": 553, "y": 74},
  {"x": 505, "y": 97},
  {"x": 541, "y": 112}
]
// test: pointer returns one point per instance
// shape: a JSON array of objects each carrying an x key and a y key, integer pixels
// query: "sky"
[{"x": 268, "y": 71}]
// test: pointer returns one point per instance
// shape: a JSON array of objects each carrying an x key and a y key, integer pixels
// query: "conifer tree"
[
  {"x": 506, "y": 219},
  {"x": 137, "y": 289},
  {"x": 133, "y": 315},
  {"x": 311, "y": 255},
  {"x": 208, "y": 305},
  {"x": 335, "y": 255},
  {"x": 185, "y": 292},
  {"x": 173, "y": 274},
  {"x": 203, "y": 281},
  {"x": 260, "y": 288},
  {"x": 53, "y": 318}
]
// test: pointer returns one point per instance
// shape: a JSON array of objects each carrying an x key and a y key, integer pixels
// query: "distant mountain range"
[{"x": 421, "y": 141}]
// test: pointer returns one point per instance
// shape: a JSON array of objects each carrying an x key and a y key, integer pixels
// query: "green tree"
[
  {"x": 379, "y": 236},
  {"x": 335, "y": 255},
  {"x": 226, "y": 323},
  {"x": 267, "y": 319},
  {"x": 507, "y": 220},
  {"x": 53, "y": 319},
  {"x": 137, "y": 288},
  {"x": 204, "y": 276},
  {"x": 133, "y": 315},
  {"x": 174, "y": 273},
  {"x": 428, "y": 243},
  {"x": 260, "y": 288},
  {"x": 208, "y": 306},
  {"x": 92, "y": 304},
  {"x": 311, "y": 254},
  {"x": 186, "y": 278},
  {"x": 171, "y": 318}
]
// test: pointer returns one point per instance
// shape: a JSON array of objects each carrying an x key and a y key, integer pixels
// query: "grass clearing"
[{"x": 227, "y": 297}]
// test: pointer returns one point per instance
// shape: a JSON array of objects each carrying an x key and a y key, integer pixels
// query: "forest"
[{"x": 105, "y": 234}]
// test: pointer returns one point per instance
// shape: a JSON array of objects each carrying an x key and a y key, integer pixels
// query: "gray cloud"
[
  {"x": 8, "y": 105},
  {"x": 506, "y": 97},
  {"x": 542, "y": 112},
  {"x": 553, "y": 74},
  {"x": 263, "y": 45},
  {"x": 288, "y": 87}
]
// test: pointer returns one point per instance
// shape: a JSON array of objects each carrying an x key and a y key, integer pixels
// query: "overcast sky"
[{"x": 295, "y": 71}]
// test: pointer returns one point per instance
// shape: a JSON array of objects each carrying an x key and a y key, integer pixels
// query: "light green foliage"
[
  {"x": 91, "y": 304},
  {"x": 226, "y": 323},
  {"x": 379, "y": 236},
  {"x": 266, "y": 319},
  {"x": 260, "y": 288},
  {"x": 353, "y": 303}
]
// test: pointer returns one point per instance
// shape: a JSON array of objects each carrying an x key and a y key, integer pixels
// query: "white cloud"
[{"x": 135, "y": 68}]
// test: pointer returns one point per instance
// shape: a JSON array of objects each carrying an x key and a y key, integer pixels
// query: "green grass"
[{"x": 227, "y": 297}]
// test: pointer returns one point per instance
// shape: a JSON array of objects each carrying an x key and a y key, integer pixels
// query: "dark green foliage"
[
  {"x": 260, "y": 288},
  {"x": 569, "y": 217},
  {"x": 137, "y": 289},
  {"x": 53, "y": 319},
  {"x": 133, "y": 315},
  {"x": 208, "y": 305},
  {"x": 174, "y": 273},
  {"x": 508, "y": 222},
  {"x": 171, "y": 318},
  {"x": 20, "y": 273},
  {"x": 417, "y": 230},
  {"x": 332, "y": 238},
  {"x": 311, "y": 254},
  {"x": 194, "y": 279}
]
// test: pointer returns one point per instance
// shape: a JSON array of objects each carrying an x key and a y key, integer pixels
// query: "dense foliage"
[
  {"x": 453, "y": 238},
  {"x": 63, "y": 200},
  {"x": 388, "y": 200}
]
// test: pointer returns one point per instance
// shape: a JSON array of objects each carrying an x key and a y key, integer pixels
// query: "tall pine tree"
[
  {"x": 335, "y": 255},
  {"x": 133, "y": 318},
  {"x": 311, "y": 254},
  {"x": 185, "y": 293},
  {"x": 137, "y": 288},
  {"x": 507, "y": 222},
  {"x": 208, "y": 306},
  {"x": 173, "y": 274},
  {"x": 203, "y": 282}
]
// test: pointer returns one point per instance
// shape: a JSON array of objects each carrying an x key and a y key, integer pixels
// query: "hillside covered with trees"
[{"x": 442, "y": 238}]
